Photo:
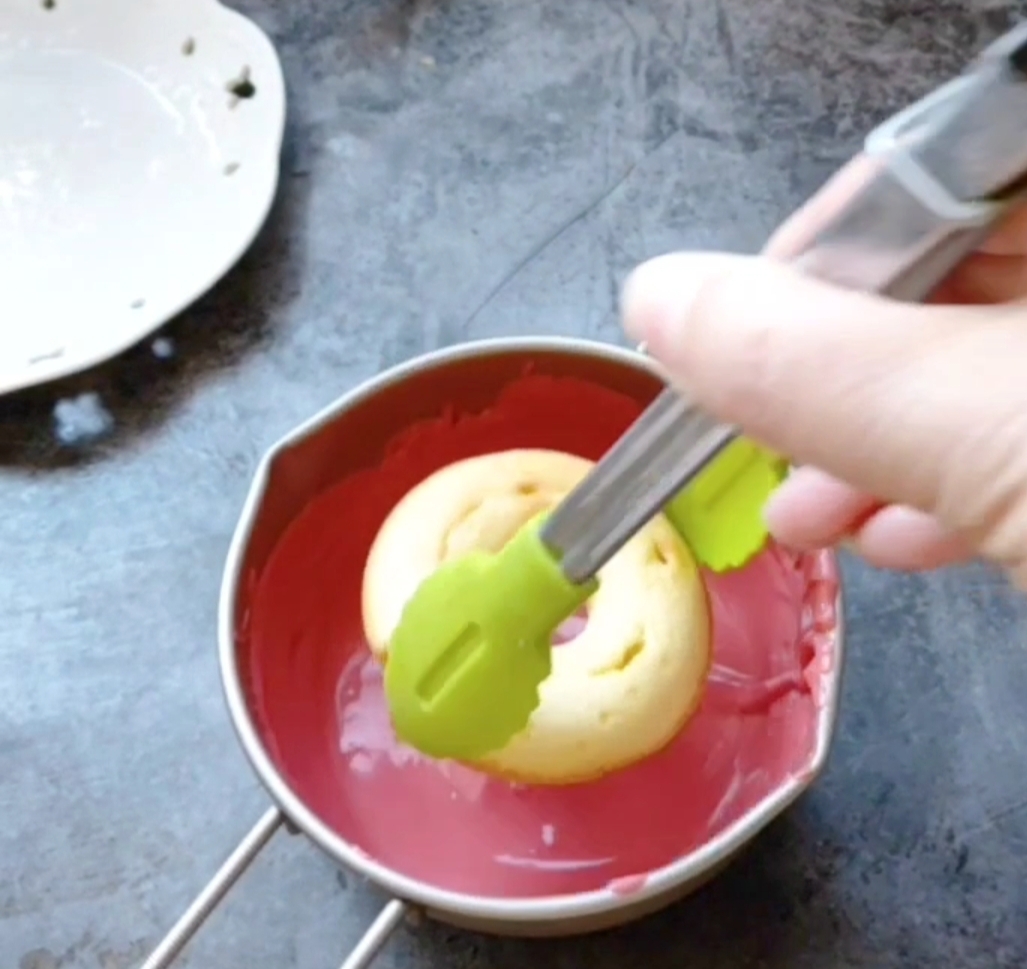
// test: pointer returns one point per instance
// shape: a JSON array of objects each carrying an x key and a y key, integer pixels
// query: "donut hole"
[{"x": 571, "y": 628}]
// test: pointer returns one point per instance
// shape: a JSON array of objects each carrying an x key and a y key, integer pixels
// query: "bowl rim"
[{"x": 662, "y": 881}]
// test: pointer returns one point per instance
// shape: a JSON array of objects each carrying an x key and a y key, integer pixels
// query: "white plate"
[{"x": 139, "y": 156}]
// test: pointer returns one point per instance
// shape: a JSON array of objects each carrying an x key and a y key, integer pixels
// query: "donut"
[{"x": 620, "y": 690}]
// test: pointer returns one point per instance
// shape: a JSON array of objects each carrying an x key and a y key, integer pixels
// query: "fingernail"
[{"x": 658, "y": 296}]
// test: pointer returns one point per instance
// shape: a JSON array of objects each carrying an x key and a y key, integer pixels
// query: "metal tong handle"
[
  {"x": 900, "y": 234},
  {"x": 672, "y": 441}
]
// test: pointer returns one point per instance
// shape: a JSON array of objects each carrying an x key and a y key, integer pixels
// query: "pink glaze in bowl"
[{"x": 306, "y": 697}]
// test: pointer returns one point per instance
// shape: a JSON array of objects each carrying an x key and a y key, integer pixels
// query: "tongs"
[{"x": 473, "y": 643}]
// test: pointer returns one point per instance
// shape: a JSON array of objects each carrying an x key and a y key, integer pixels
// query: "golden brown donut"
[{"x": 628, "y": 683}]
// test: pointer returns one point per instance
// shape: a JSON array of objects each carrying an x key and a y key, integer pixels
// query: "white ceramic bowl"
[{"x": 139, "y": 156}]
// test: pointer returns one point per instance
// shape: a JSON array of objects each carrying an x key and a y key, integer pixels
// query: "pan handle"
[
  {"x": 378, "y": 933},
  {"x": 204, "y": 904},
  {"x": 363, "y": 954}
]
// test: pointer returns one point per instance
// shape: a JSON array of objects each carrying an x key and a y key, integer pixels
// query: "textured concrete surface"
[{"x": 462, "y": 169}]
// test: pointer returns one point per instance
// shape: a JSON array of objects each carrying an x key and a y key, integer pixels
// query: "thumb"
[{"x": 923, "y": 406}]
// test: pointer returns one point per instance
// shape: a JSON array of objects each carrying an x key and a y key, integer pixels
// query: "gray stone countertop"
[{"x": 457, "y": 170}]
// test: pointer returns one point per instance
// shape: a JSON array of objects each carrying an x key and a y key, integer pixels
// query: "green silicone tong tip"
[
  {"x": 720, "y": 513},
  {"x": 473, "y": 644}
]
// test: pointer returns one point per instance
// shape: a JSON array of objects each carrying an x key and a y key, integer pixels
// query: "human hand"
[{"x": 909, "y": 421}]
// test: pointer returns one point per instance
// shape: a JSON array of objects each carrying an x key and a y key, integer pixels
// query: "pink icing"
[
  {"x": 316, "y": 693},
  {"x": 571, "y": 628}
]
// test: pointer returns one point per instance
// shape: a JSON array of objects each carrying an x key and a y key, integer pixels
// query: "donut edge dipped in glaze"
[{"x": 620, "y": 691}]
